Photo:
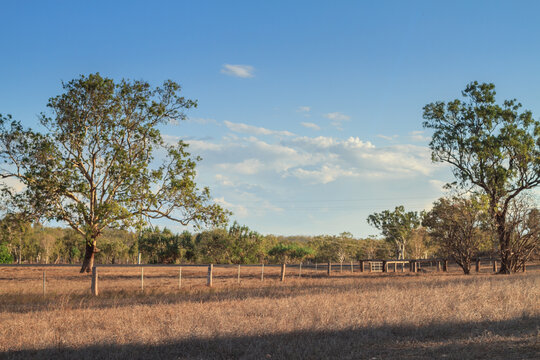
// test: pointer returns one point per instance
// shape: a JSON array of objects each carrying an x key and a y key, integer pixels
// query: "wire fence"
[{"x": 65, "y": 278}]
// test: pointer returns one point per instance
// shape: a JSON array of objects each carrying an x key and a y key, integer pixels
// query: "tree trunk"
[
  {"x": 504, "y": 245},
  {"x": 88, "y": 261}
]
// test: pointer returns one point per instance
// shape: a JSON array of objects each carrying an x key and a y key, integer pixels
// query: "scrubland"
[{"x": 347, "y": 316}]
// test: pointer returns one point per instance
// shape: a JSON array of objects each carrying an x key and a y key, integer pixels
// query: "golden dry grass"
[{"x": 347, "y": 316}]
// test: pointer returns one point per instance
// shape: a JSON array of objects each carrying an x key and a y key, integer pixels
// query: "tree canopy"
[
  {"x": 493, "y": 148},
  {"x": 396, "y": 226},
  {"x": 102, "y": 162}
]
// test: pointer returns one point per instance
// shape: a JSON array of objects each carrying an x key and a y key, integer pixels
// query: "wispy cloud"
[
  {"x": 311, "y": 126},
  {"x": 238, "y": 210},
  {"x": 241, "y": 71},
  {"x": 386, "y": 137},
  {"x": 337, "y": 118},
  {"x": 202, "y": 121},
  {"x": 254, "y": 130},
  {"x": 419, "y": 136},
  {"x": 320, "y": 159},
  {"x": 304, "y": 109}
]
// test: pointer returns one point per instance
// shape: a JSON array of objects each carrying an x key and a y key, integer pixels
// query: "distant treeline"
[{"x": 233, "y": 245}]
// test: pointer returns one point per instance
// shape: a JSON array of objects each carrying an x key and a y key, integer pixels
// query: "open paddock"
[{"x": 349, "y": 315}]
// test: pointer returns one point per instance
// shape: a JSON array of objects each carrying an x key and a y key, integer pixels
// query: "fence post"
[
  {"x": 329, "y": 270},
  {"x": 494, "y": 266},
  {"x": 524, "y": 267},
  {"x": 95, "y": 289},
  {"x": 238, "y": 273},
  {"x": 43, "y": 282},
  {"x": 341, "y": 267},
  {"x": 385, "y": 266},
  {"x": 180, "y": 277},
  {"x": 352, "y": 266},
  {"x": 438, "y": 266},
  {"x": 477, "y": 265},
  {"x": 445, "y": 265},
  {"x": 369, "y": 266},
  {"x": 283, "y": 272},
  {"x": 142, "y": 279},
  {"x": 361, "y": 265},
  {"x": 300, "y": 271},
  {"x": 209, "y": 276},
  {"x": 262, "y": 272}
]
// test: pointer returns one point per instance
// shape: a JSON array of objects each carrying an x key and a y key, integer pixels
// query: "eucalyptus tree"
[
  {"x": 396, "y": 226},
  {"x": 492, "y": 148},
  {"x": 460, "y": 227},
  {"x": 101, "y": 160}
]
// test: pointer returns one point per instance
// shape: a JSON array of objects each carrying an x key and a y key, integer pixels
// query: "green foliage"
[
  {"x": 461, "y": 228},
  {"x": 5, "y": 255},
  {"x": 161, "y": 247},
  {"x": 396, "y": 226},
  {"x": 492, "y": 148},
  {"x": 285, "y": 252},
  {"x": 94, "y": 167}
]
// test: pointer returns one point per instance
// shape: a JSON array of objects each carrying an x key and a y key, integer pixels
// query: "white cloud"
[
  {"x": 304, "y": 109},
  {"x": 337, "y": 119},
  {"x": 238, "y": 210},
  {"x": 250, "y": 129},
  {"x": 14, "y": 184},
  {"x": 311, "y": 126},
  {"x": 246, "y": 167},
  {"x": 320, "y": 159},
  {"x": 386, "y": 137},
  {"x": 241, "y": 71},
  {"x": 223, "y": 180},
  {"x": 327, "y": 173},
  {"x": 418, "y": 136}
]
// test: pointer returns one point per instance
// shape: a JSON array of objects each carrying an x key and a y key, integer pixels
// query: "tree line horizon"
[{"x": 94, "y": 169}]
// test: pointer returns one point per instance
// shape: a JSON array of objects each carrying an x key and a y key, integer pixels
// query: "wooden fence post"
[
  {"x": 95, "y": 289},
  {"x": 445, "y": 265},
  {"x": 524, "y": 267},
  {"x": 283, "y": 272},
  {"x": 210, "y": 274},
  {"x": 300, "y": 271},
  {"x": 43, "y": 282},
  {"x": 361, "y": 265},
  {"x": 262, "y": 272},
  {"x": 329, "y": 270},
  {"x": 238, "y": 273},
  {"x": 477, "y": 265},
  {"x": 369, "y": 266},
  {"x": 180, "y": 277},
  {"x": 494, "y": 266},
  {"x": 384, "y": 266},
  {"x": 352, "y": 266},
  {"x": 438, "y": 266},
  {"x": 142, "y": 279}
]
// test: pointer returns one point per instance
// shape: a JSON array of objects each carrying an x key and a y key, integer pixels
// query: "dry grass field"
[{"x": 348, "y": 316}]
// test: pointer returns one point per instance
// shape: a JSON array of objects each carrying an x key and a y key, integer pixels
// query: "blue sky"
[{"x": 310, "y": 112}]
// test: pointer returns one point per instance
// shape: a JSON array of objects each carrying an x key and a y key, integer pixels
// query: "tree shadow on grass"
[{"x": 510, "y": 339}]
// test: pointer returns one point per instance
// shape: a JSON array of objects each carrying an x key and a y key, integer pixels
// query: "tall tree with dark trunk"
[
  {"x": 94, "y": 166},
  {"x": 494, "y": 149}
]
